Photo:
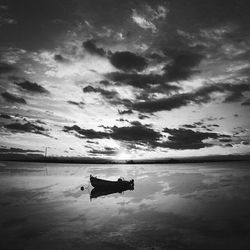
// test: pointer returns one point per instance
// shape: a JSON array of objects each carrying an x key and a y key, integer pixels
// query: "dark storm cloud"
[
  {"x": 245, "y": 143},
  {"x": 27, "y": 127},
  {"x": 13, "y": 98},
  {"x": 5, "y": 116},
  {"x": 88, "y": 133},
  {"x": 128, "y": 61},
  {"x": 136, "y": 133},
  {"x": 104, "y": 82},
  {"x": 236, "y": 91},
  {"x": 181, "y": 65},
  {"x": 89, "y": 89},
  {"x": 32, "y": 87},
  {"x": 6, "y": 68},
  {"x": 181, "y": 138},
  {"x": 61, "y": 59},
  {"x": 91, "y": 47},
  {"x": 108, "y": 94},
  {"x": 142, "y": 81},
  {"x": 198, "y": 96},
  {"x": 17, "y": 150},
  {"x": 106, "y": 151},
  {"x": 173, "y": 102},
  {"x": 136, "y": 123}
]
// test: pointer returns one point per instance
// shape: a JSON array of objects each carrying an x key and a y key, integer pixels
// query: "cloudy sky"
[{"x": 125, "y": 79}]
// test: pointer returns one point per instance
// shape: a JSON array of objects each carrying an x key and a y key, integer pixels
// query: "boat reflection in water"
[
  {"x": 97, "y": 192},
  {"x": 105, "y": 187}
]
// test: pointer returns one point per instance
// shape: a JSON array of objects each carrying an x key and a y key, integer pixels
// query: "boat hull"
[{"x": 100, "y": 183}]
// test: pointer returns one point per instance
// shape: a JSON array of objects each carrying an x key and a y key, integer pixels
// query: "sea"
[{"x": 172, "y": 206}]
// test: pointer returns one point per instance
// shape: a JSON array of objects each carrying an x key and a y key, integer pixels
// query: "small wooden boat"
[{"x": 120, "y": 183}]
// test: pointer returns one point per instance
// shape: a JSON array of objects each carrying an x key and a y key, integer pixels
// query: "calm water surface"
[{"x": 179, "y": 206}]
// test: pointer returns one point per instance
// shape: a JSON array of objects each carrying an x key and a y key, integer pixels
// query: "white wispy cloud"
[
  {"x": 86, "y": 65},
  {"x": 142, "y": 22},
  {"x": 148, "y": 16}
]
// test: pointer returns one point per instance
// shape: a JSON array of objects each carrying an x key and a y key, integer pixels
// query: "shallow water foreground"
[{"x": 174, "y": 206}]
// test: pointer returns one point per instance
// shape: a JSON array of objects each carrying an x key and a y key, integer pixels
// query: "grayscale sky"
[{"x": 125, "y": 79}]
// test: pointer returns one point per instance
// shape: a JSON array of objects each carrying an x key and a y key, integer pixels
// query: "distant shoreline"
[{"x": 85, "y": 160}]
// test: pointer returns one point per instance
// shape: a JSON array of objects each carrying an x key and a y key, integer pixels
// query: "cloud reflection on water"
[{"x": 199, "y": 206}]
